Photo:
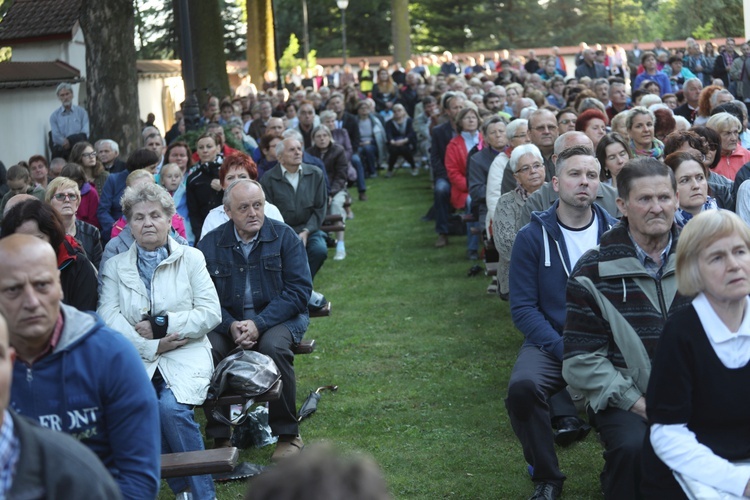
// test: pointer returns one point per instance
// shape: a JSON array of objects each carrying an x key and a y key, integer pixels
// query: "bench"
[
  {"x": 333, "y": 224},
  {"x": 322, "y": 312}
]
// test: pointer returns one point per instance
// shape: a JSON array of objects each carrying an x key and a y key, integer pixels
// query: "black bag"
[{"x": 456, "y": 225}]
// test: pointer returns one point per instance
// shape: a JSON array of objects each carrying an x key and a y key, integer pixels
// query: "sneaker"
[
  {"x": 546, "y": 491},
  {"x": 340, "y": 255}
]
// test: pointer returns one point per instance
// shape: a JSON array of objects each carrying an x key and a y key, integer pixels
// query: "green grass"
[{"x": 421, "y": 354}]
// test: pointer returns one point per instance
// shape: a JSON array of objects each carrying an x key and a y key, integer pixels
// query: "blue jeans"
[
  {"x": 180, "y": 432},
  {"x": 317, "y": 251},
  {"x": 442, "y": 205},
  {"x": 472, "y": 240},
  {"x": 370, "y": 154},
  {"x": 357, "y": 164}
]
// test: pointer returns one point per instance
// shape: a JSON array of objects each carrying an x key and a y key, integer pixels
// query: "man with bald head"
[
  {"x": 73, "y": 374},
  {"x": 545, "y": 196}
]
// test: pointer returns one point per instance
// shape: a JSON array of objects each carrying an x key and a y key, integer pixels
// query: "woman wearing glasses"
[
  {"x": 84, "y": 154},
  {"x": 65, "y": 197}
]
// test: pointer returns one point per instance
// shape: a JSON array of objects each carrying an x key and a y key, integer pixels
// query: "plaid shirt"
[
  {"x": 10, "y": 450},
  {"x": 652, "y": 268}
]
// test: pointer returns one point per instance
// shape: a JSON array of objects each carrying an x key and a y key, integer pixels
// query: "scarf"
[
  {"x": 522, "y": 192},
  {"x": 682, "y": 217},
  {"x": 148, "y": 260},
  {"x": 656, "y": 151}
]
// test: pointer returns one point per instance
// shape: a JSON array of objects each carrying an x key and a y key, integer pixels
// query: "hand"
[
  {"x": 66, "y": 144},
  {"x": 244, "y": 333},
  {"x": 170, "y": 343},
  {"x": 639, "y": 408},
  {"x": 216, "y": 185},
  {"x": 143, "y": 328},
  {"x": 303, "y": 236}
]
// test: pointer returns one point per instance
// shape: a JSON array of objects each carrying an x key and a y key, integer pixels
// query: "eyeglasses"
[
  {"x": 66, "y": 196},
  {"x": 89, "y": 155},
  {"x": 572, "y": 121},
  {"x": 529, "y": 168},
  {"x": 519, "y": 136}
]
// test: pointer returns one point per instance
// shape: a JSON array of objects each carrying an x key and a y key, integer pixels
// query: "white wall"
[
  {"x": 25, "y": 123},
  {"x": 151, "y": 94}
]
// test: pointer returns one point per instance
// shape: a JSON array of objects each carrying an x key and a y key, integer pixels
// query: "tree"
[
  {"x": 111, "y": 81},
  {"x": 156, "y": 33}
]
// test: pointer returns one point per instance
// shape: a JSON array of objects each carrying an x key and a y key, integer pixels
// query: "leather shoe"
[
  {"x": 223, "y": 443},
  {"x": 362, "y": 196},
  {"x": 546, "y": 491},
  {"x": 570, "y": 430},
  {"x": 441, "y": 241},
  {"x": 288, "y": 446}
]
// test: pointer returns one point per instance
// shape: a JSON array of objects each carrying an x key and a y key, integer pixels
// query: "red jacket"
[{"x": 455, "y": 166}]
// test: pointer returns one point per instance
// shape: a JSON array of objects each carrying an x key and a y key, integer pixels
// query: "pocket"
[{"x": 221, "y": 275}]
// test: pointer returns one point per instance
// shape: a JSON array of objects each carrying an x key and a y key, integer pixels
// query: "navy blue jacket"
[
  {"x": 279, "y": 277},
  {"x": 110, "y": 210},
  {"x": 539, "y": 270}
]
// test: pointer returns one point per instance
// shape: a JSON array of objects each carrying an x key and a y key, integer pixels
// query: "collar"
[
  {"x": 54, "y": 339},
  {"x": 645, "y": 258},
  {"x": 719, "y": 333},
  {"x": 285, "y": 171},
  {"x": 241, "y": 241}
]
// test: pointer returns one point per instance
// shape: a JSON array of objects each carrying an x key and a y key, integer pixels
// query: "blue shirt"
[{"x": 66, "y": 122}]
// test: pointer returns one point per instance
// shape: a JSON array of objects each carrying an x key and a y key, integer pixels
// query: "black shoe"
[
  {"x": 546, "y": 491},
  {"x": 570, "y": 430}
]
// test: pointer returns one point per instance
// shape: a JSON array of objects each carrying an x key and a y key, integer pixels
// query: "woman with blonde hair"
[{"x": 65, "y": 197}]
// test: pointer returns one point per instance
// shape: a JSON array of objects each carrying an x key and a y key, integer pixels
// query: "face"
[
  {"x": 723, "y": 98},
  {"x": 38, "y": 171},
  {"x": 671, "y": 102},
  {"x": 558, "y": 87},
  {"x": 270, "y": 153},
  {"x": 616, "y": 158},
  {"x": 179, "y": 156},
  {"x": 65, "y": 201},
  {"x": 207, "y": 149},
  {"x": 265, "y": 111},
  {"x": 730, "y": 136},
  {"x": 88, "y": 157},
  {"x": 618, "y": 94},
  {"x": 470, "y": 122},
  {"x": 652, "y": 88},
  {"x": 692, "y": 92},
  {"x": 149, "y": 224},
  {"x": 306, "y": 115},
  {"x": 543, "y": 130},
  {"x": 567, "y": 123},
  {"x": 595, "y": 130},
  {"x": 512, "y": 95},
  {"x": 322, "y": 140},
  {"x": 154, "y": 144},
  {"x": 724, "y": 268},
  {"x": 496, "y": 136},
  {"x": 238, "y": 134},
  {"x": 602, "y": 92},
  {"x": 275, "y": 125},
  {"x": 521, "y": 136},
  {"x": 530, "y": 172},
  {"x": 105, "y": 154},
  {"x": 246, "y": 209},
  {"x": 18, "y": 186},
  {"x": 649, "y": 63},
  {"x": 455, "y": 106},
  {"x": 549, "y": 66},
  {"x": 692, "y": 187},
  {"x": 329, "y": 122},
  {"x": 292, "y": 156},
  {"x": 650, "y": 207},
  {"x": 66, "y": 97},
  {"x": 578, "y": 182},
  {"x": 642, "y": 130},
  {"x": 30, "y": 292},
  {"x": 171, "y": 179},
  {"x": 336, "y": 104},
  {"x": 227, "y": 113},
  {"x": 399, "y": 113},
  {"x": 676, "y": 67}
]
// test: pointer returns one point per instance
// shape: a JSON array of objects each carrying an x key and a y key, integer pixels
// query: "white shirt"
[
  {"x": 217, "y": 216},
  {"x": 580, "y": 241},
  {"x": 291, "y": 178}
]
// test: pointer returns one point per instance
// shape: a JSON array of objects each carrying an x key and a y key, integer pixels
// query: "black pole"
[
  {"x": 343, "y": 33},
  {"x": 191, "y": 110},
  {"x": 305, "y": 34},
  {"x": 279, "y": 83}
]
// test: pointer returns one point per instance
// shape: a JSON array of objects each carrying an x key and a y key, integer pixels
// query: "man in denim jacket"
[{"x": 260, "y": 270}]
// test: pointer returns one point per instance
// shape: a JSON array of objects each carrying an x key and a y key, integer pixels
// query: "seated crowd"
[{"x": 588, "y": 183}]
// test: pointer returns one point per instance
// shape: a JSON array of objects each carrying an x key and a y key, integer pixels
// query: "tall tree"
[
  {"x": 260, "y": 39},
  {"x": 401, "y": 30},
  {"x": 111, "y": 78}
]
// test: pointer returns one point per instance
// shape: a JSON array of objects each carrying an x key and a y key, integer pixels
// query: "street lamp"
[{"x": 343, "y": 4}]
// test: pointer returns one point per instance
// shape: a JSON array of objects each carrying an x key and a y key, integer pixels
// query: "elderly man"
[
  {"x": 589, "y": 67},
  {"x": 618, "y": 299},
  {"x": 618, "y": 99},
  {"x": 75, "y": 375},
  {"x": 260, "y": 269},
  {"x": 543, "y": 132},
  {"x": 299, "y": 191},
  {"x": 692, "y": 92},
  {"x": 258, "y": 127},
  {"x": 108, "y": 152},
  {"x": 69, "y": 123}
]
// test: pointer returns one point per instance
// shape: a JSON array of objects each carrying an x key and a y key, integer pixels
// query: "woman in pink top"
[{"x": 733, "y": 155}]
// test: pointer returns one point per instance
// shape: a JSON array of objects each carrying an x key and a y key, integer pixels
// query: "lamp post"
[{"x": 343, "y": 4}]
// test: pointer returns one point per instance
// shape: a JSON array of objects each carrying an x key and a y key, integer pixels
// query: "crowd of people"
[{"x": 617, "y": 181}]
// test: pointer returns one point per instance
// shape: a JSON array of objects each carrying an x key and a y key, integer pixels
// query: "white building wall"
[{"x": 24, "y": 128}]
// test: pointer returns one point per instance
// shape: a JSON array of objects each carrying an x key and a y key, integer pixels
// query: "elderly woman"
[
  {"x": 733, "y": 155},
  {"x": 695, "y": 399},
  {"x": 77, "y": 274},
  {"x": 643, "y": 142},
  {"x": 64, "y": 196},
  {"x": 159, "y": 296},
  {"x": 527, "y": 164},
  {"x": 333, "y": 157},
  {"x": 692, "y": 186},
  {"x": 613, "y": 153},
  {"x": 89, "y": 200},
  {"x": 84, "y": 154},
  {"x": 500, "y": 179},
  {"x": 402, "y": 140},
  {"x": 593, "y": 123}
]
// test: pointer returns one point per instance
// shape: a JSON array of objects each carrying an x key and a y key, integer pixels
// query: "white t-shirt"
[{"x": 581, "y": 240}]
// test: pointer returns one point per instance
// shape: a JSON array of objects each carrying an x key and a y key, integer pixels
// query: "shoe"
[
  {"x": 570, "y": 430},
  {"x": 374, "y": 176},
  {"x": 473, "y": 255},
  {"x": 288, "y": 446},
  {"x": 546, "y": 491},
  {"x": 340, "y": 255},
  {"x": 362, "y": 196},
  {"x": 184, "y": 495},
  {"x": 222, "y": 443},
  {"x": 414, "y": 172},
  {"x": 441, "y": 241}
]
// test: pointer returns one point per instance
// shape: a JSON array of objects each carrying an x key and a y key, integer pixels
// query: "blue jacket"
[
  {"x": 539, "y": 270},
  {"x": 93, "y": 387},
  {"x": 110, "y": 210},
  {"x": 279, "y": 277}
]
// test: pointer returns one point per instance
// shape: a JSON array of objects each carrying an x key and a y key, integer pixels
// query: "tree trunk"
[
  {"x": 260, "y": 40},
  {"x": 111, "y": 77},
  {"x": 209, "y": 61},
  {"x": 401, "y": 31}
]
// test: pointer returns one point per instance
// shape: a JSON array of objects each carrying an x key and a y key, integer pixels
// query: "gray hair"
[
  {"x": 693, "y": 81},
  {"x": 147, "y": 192},
  {"x": 325, "y": 115},
  {"x": 63, "y": 86},
  {"x": 280, "y": 146},
  {"x": 715, "y": 96},
  {"x": 227, "y": 199},
  {"x": 524, "y": 149},
  {"x": 512, "y": 127},
  {"x": 321, "y": 128},
  {"x": 112, "y": 144},
  {"x": 291, "y": 133}
]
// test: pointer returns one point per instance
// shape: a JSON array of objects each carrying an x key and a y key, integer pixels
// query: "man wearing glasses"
[{"x": 543, "y": 132}]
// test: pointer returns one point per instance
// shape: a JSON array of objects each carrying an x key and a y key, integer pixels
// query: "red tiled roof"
[
  {"x": 28, "y": 20},
  {"x": 36, "y": 74}
]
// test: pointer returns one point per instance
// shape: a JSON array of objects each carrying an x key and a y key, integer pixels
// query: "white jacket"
[{"x": 181, "y": 289}]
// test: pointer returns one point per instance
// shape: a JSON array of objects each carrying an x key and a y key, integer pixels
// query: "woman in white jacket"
[{"x": 160, "y": 296}]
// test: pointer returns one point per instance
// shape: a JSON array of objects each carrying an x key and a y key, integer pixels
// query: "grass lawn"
[{"x": 421, "y": 354}]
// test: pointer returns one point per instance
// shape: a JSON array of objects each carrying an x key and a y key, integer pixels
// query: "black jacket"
[{"x": 201, "y": 197}]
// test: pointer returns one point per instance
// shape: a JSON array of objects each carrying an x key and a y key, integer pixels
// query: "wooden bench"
[
  {"x": 333, "y": 224},
  {"x": 322, "y": 312}
]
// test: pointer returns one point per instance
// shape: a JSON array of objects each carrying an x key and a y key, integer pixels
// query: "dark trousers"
[
  {"x": 442, "y": 205},
  {"x": 535, "y": 379},
  {"x": 395, "y": 151},
  {"x": 622, "y": 432},
  {"x": 276, "y": 342},
  {"x": 317, "y": 251}
]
